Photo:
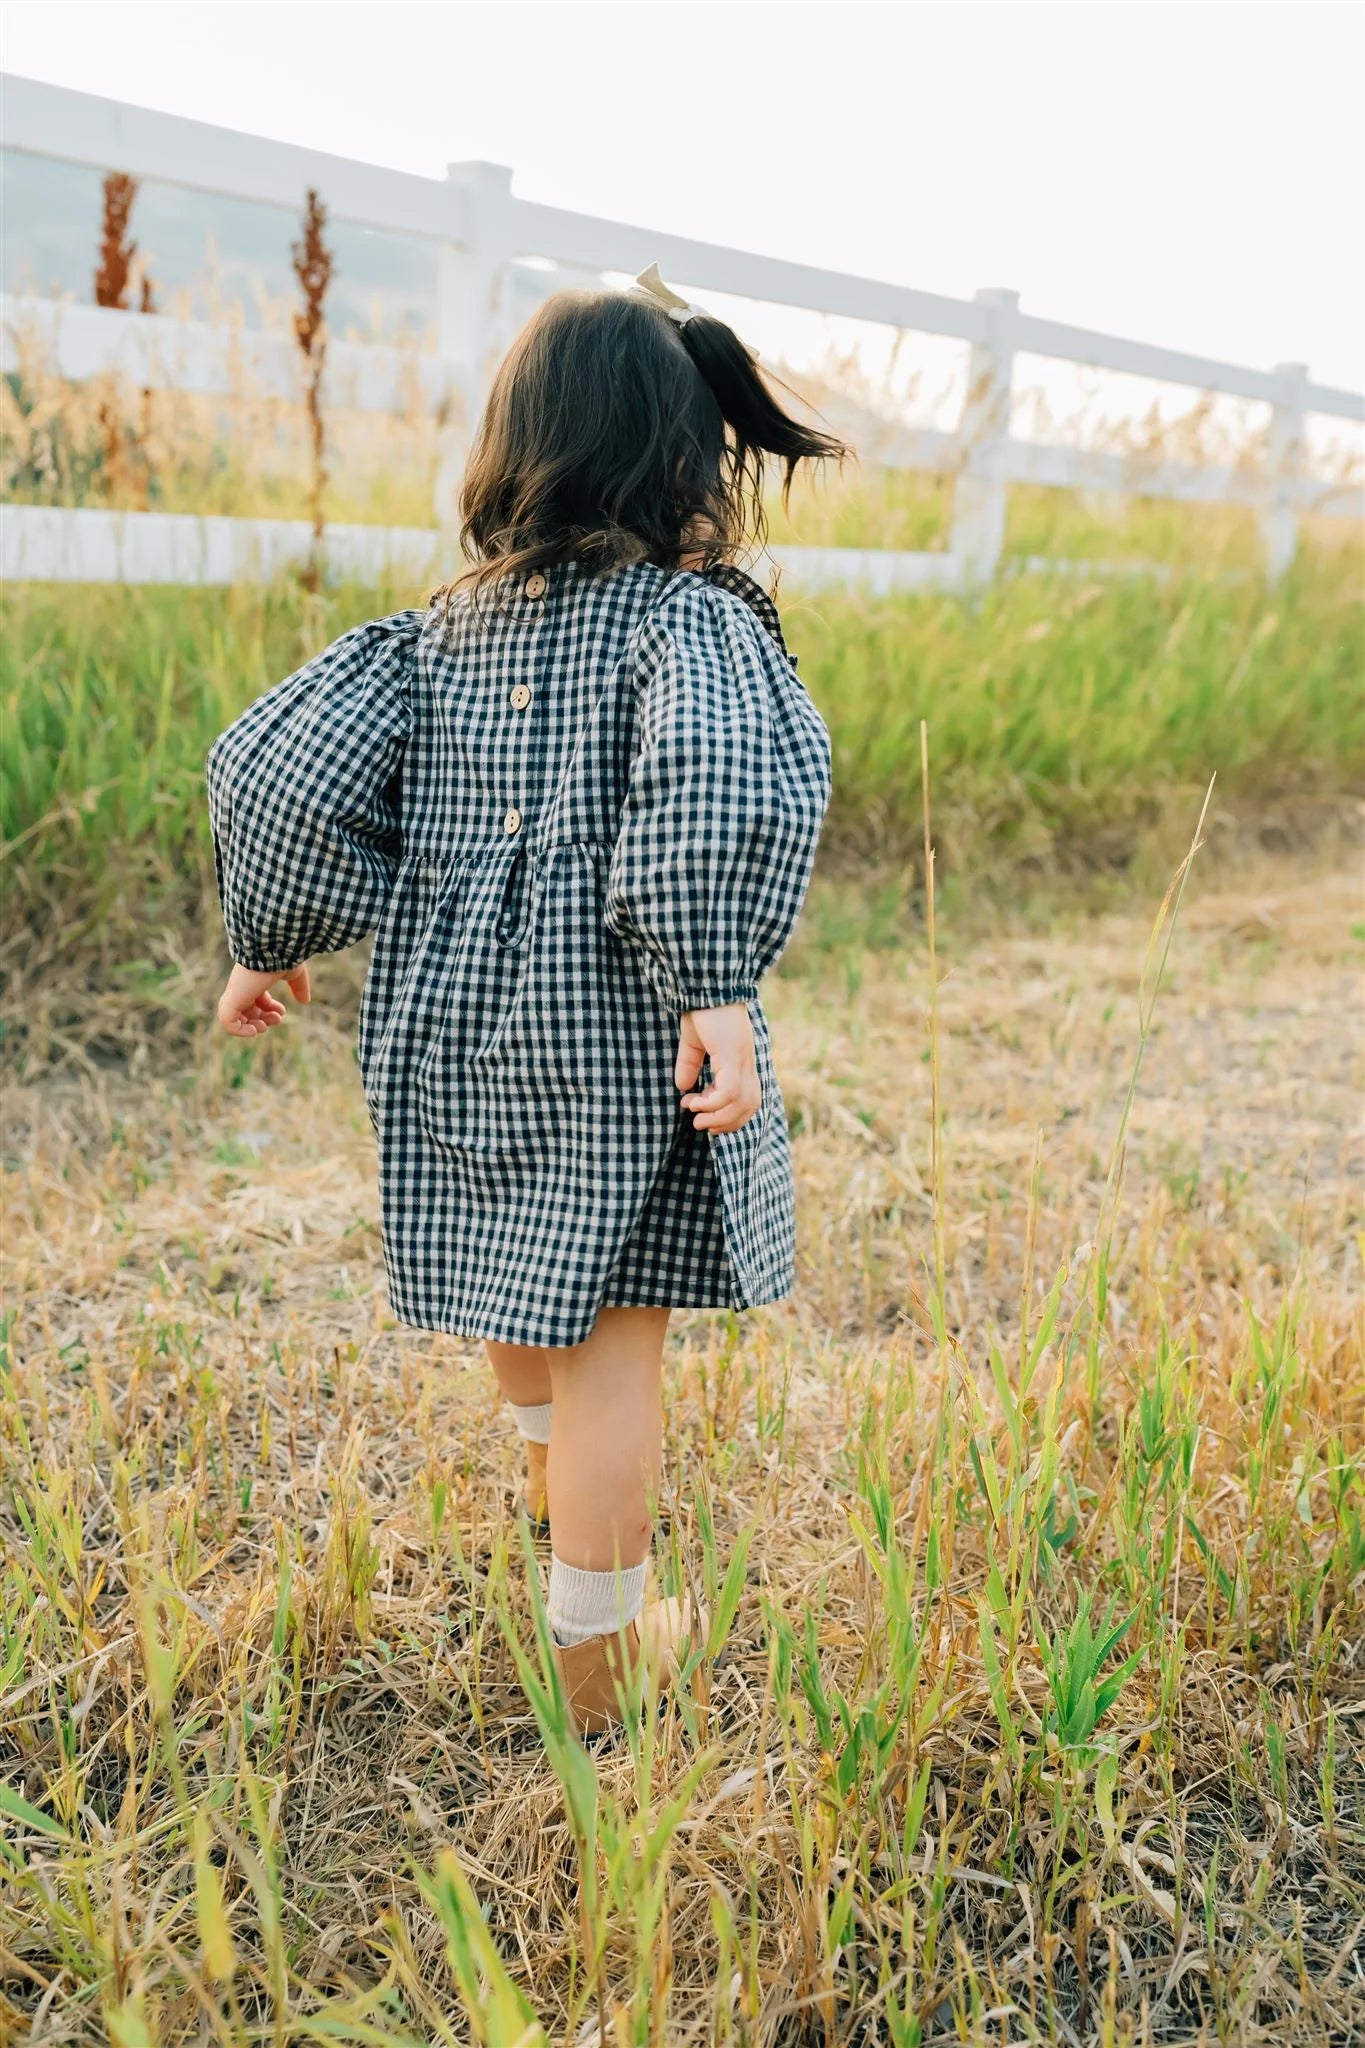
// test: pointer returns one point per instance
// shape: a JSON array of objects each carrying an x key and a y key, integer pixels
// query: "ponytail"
[{"x": 757, "y": 426}]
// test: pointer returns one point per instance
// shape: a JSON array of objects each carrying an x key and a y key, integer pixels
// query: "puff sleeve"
[
  {"x": 304, "y": 799},
  {"x": 727, "y": 792}
]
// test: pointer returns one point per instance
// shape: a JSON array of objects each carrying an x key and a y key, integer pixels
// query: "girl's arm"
[
  {"x": 304, "y": 797},
  {"x": 726, "y": 796}
]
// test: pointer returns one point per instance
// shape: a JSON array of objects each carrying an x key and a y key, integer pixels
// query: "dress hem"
[{"x": 515, "y": 1330}]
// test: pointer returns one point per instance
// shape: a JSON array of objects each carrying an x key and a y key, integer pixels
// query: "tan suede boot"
[
  {"x": 534, "y": 1500},
  {"x": 590, "y": 1671}
]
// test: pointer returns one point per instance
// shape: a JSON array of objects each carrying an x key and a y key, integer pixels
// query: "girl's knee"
[{"x": 500, "y": 1355}]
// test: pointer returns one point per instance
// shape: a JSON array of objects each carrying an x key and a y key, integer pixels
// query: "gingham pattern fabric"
[{"x": 569, "y": 820}]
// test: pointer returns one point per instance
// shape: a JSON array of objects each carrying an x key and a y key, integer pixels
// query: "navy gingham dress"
[{"x": 567, "y": 821}]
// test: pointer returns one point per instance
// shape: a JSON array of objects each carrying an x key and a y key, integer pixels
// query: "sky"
[{"x": 1188, "y": 174}]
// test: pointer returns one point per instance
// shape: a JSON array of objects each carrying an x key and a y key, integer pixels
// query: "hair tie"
[{"x": 649, "y": 285}]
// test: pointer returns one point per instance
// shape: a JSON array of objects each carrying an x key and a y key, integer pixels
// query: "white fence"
[{"x": 480, "y": 228}]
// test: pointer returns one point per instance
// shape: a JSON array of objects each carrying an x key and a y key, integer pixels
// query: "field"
[
  {"x": 1074, "y": 725},
  {"x": 1033, "y": 1528}
]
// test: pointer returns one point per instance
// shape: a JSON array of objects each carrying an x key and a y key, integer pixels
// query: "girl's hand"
[
  {"x": 246, "y": 1008},
  {"x": 735, "y": 1093}
]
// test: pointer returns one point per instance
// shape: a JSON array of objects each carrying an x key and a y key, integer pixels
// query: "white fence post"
[
  {"x": 1283, "y": 459},
  {"x": 980, "y": 495},
  {"x": 469, "y": 296}
]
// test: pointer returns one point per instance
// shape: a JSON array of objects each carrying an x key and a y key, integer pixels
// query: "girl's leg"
[
  {"x": 605, "y": 1456},
  {"x": 607, "y": 1446},
  {"x": 523, "y": 1373}
]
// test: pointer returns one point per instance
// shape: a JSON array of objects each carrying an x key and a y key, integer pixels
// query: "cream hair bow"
[{"x": 649, "y": 285}]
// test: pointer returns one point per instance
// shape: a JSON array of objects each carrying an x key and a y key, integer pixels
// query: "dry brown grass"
[
  {"x": 244, "y": 454},
  {"x": 259, "y": 1681}
]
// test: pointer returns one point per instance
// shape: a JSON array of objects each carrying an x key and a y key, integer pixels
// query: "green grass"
[{"x": 1067, "y": 718}]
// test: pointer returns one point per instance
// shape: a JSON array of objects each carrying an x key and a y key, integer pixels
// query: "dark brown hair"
[{"x": 614, "y": 434}]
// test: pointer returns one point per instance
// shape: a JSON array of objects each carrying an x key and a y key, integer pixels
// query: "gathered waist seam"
[{"x": 429, "y": 863}]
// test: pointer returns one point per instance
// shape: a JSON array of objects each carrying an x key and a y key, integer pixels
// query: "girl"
[{"x": 579, "y": 798}]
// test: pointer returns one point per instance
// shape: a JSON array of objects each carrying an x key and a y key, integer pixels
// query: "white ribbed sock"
[
  {"x": 584, "y": 1604},
  {"x": 533, "y": 1423}
]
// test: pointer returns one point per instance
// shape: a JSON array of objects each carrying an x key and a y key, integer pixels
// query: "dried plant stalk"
[
  {"x": 116, "y": 250},
  {"x": 313, "y": 269},
  {"x": 113, "y": 448}
]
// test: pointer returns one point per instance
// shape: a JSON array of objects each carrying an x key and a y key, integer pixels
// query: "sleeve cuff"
[
  {"x": 692, "y": 995},
  {"x": 256, "y": 962},
  {"x": 718, "y": 998}
]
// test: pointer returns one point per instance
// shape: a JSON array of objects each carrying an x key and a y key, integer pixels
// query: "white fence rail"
[
  {"x": 480, "y": 228},
  {"x": 166, "y": 547}
]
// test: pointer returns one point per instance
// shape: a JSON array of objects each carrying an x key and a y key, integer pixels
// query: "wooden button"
[
  {"x": 519, "y": 696},
  {"x": 535, "y": 585},
  {"x": 512, "y": 822}
]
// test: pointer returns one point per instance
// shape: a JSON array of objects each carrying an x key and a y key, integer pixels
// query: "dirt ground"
[{"x": 241, "y": 1173}]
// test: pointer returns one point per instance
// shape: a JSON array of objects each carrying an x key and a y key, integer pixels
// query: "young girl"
[{"x": 579, "y": 798}]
